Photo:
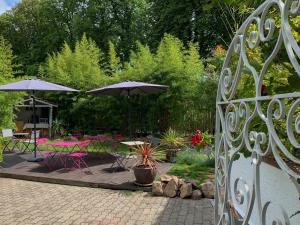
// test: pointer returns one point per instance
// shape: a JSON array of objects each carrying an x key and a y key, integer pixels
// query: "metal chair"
[
  {"x": 153, "y": 140},
  {"x": 9, "y": 138},
  {"x": 77, "y": 159},
  {"x": 27, "y": 142}
]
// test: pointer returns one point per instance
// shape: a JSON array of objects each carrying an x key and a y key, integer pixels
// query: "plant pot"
[
  {"x": 144, "y": 175},
  {"x": 171, "y": 154}
]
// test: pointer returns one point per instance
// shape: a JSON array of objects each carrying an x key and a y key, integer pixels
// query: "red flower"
[{"x": 196, "y": 139}]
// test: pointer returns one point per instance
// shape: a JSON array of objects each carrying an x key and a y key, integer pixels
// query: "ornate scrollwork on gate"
[{"x": 263, "y": 126}]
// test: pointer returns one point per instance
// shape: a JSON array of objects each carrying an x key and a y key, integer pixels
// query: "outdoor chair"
[
  {"x": 154, "y": 141},
  {"x": 121, "y": 158},
  {"x": 9, "y": 138},
  {"x": 120, "y": 161},
  {"x": 77, "y": 159},
  {"x": 27, "y": 142}
]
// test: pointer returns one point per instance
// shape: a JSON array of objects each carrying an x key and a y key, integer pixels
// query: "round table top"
[{"x": 21, "y": 134}]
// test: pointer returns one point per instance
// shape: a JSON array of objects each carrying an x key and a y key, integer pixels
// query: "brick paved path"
[{"x": 25, "y": 202}]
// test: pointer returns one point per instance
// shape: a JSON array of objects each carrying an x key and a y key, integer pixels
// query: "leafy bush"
[
  {"x": 172, "y": 139},
  {"x": 7, "y": 100},
  {"x": 1, "y": 149},
  {"x": 194, "y": 158},
  {"x": 172, "y": 64},
  {"x": 191, "y": 165}
]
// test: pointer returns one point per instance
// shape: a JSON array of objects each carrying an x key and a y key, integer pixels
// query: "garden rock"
[
  {"x": 171, "y": 189},
  {"x": 196, "y": 195},
  {"x": 157, "y": 188},
  {"x": 194, "y": 184},
  {"x": 208, "y": 189},
  {"x": 186, "y": 190},
  {"x": 165, "y": 178},
  {"x": 176, "y": 179},
  {"x": 181, "y": 182}
]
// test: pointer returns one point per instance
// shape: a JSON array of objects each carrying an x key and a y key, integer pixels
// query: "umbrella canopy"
[
  {"x": 129, "y": 88},
  {"x": 33, "y": 84}
]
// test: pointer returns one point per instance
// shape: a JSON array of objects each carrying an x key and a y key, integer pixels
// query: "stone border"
[{"x": 125, "y": 186}]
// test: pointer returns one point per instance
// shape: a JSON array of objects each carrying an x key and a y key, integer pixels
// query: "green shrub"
[
  {"x": 189, "y": 158},
  {"x": 195, "y": 158},
  {"x": 172, "y": 139},
  {"x": 1, "y": 149},
  {"x": 192, "y": 166}
]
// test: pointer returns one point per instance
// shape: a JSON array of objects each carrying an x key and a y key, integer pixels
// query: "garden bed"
[{"x": 193, "y": 166}]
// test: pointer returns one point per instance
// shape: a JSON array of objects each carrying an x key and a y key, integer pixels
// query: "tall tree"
[
  {"x": 7, "y": 100},
  {"x": 79, "y": 68},
  {"x": 114, "y": 60},
  {"x": 36, "y": 28},
  {"x": 189, "y": 21}
]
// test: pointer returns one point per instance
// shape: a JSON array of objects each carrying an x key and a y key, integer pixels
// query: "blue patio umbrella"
[
  {"x": 128, "y": 89},
  {"x": 32, "y": 85}
]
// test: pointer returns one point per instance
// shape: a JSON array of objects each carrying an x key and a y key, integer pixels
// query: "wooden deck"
[{"x": 16, "y": 166}]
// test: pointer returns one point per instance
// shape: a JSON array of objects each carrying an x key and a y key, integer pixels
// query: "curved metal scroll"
[{"x": 235, "y": 116}]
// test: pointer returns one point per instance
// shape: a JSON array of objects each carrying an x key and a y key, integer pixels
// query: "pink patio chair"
[
  {"x": 46, "y": 154},
  {"x": 77, "y": 159}
]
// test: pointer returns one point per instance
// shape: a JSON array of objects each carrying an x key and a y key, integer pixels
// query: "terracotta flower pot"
[{"x": 144, "y": 175}]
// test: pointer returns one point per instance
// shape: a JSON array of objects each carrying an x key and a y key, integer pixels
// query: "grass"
[
  {"x": 99, "y": 147},
  {"x": 193, "y": 166}
]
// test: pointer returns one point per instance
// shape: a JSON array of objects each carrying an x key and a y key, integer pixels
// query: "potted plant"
[
  {"x": 58, "y": 129},
  {"x": 146, "y": 167},
  {"x": 173, "y": 143}
]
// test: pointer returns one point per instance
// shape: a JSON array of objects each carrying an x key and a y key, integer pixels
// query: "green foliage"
[
  {"x": 78, "y": 68},
  {"x": 58, "y": 128},
  {"x": 114, "y": 60},
  {"x": 141, "y": 64},
  {"x": 38, "y": 27},
  {"x": 7, "y": 100},
  {"x": 172, "y": 139},
  {"x": 191, "y": 165},
  {"x": 1, "y": 149},
  {"x": 188, "y": 21},
  {"x": 172, "y": 64}
]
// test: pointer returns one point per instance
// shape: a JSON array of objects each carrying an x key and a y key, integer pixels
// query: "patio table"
[
  {"x": 22, "y": 135},
  {"x": 132, "y": 143}
]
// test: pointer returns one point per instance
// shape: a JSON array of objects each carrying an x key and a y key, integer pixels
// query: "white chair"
[{"x": 9, "y": 138}]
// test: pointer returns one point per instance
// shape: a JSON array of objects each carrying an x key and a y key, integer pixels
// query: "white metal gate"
[{"x": 251, "y": 189}]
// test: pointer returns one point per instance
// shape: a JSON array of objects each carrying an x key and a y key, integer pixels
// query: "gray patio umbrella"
[
  {"x": 127, "y": 89},
  {"x": 32, "y": 85}
]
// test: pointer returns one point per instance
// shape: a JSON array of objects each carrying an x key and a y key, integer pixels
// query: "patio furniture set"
[
  {"x": 76, "y": 158},
  {"x": 68, "y": 154}
]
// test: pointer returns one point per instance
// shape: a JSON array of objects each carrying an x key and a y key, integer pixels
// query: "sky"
[{"x": 7, "y": 5}]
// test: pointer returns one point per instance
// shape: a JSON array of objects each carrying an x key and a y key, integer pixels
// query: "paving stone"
[{"x": 33, "y": 203}]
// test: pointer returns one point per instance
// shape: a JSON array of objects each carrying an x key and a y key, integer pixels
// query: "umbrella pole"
[
  {"x": 34, "y": 123},
  {"x": 129, "y": 117}
]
